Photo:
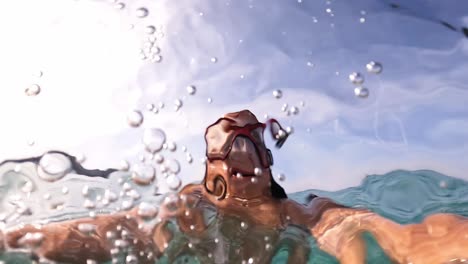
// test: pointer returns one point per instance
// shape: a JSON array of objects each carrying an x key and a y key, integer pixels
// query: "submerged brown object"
[{"x": 238, "y": 182}]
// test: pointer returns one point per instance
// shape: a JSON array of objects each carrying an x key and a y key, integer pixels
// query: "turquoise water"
[{"x": 403, "y": 196}]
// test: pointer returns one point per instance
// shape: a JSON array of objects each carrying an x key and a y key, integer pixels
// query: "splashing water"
[{"x": 402, "y": 196}]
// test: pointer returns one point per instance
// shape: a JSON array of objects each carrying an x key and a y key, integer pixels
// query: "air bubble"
[
  {"x": 294, "y": 110},
  {"x": 171, "y": 146},
  {"x": 189, "y": 158},
  {"x": 65, "y": 190},
  {"x": 147, "y": 211},
  {"x": 191, "y": 89},
  {"x": 127, "y": 204},
  {"x": 172, "y": 165},
  {"x": 119, "y": 6},
  {"x": 143, "y": 174},
  {"x": 277, "y": 94},
  {"x": 32, "y": 90},
  {"x": 88, "y": 204},
  {"x": 253, "y": 180},
  {"x": 150, "y": 29},
  {"x": 124, "y": 165},
  {"x": 153, "y": 139},
  {"x": 362, "y": 20},
  {"x": 53, "y": 166},
  {"x": 281, "y": 177},
  {"x": 210, "y": 100},
  {"x": 173, "y": 182},
  {"x": 150, "y": 107},
  {"x": 214, "y": 59},
  {"x": 158, "y": 158},
  {"x": 258, "y": 171},
  {"x": 361, "y": 92},
  {"x": 85, "y": 191},
  {"x": 142, "y": 12},
  {"x": 28, "y": 187},
  {"x": 374, "y": 67},
  {"x": 86, "y": 228},
  {"x": 178, "y": 104},
  {"x": 135, "y": 118},
  {"x": 156, "y": 58},
  {"x": 110, "y": 196},
  {"x": 243, "y": 225},
  {"x": 356, "y": 78},
  {"x": 131, "y": 259}
]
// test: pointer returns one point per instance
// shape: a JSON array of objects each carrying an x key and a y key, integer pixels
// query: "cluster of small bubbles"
[
  {"x": 135, "y": 118},
  {"x": 374, "y": 67},
  {"x": 281, "y": 177},
  {"x": 173, "y": 182},
  {"x": 142, "y": 12},
  {"x": 214, "y": 59},
  {"x": 150, "y": 29},
  {"x": 154, "y": 139},
  {"x": 53, "y": 166},
  {"x": 177, "y": 104},
  {"x": 277, "y": 94},
  {"x": 356, "y": 78},
  {"x": 361, "y": 92},
  {"x": 191, "y": 89},
  {"x": 210, "y": 100},
  {"x": 143, "y": 174},
  {"x": 147, "y": 211},
  {"x": 32, "y": 90},
  {"x": 110, "y": 196}
]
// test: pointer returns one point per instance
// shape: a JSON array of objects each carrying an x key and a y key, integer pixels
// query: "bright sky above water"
[{"x": 92, "y": 75}]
